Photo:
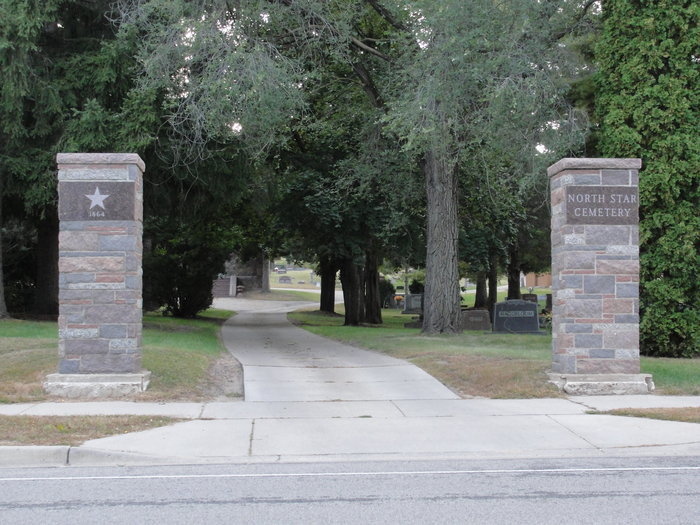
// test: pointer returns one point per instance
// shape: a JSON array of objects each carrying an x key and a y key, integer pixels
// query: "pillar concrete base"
[
  {"x": 603, "y": 384},
  {"x": 96, "y": 385}
]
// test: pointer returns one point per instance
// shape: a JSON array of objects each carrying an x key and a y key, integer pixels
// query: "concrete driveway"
[{"x": 284, "y": 363}]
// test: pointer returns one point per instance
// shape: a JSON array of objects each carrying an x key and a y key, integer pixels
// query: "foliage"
[
  {"x": 386, "y": 289},
  {"x": 321, "y": 82},
  {"x": 649, "y": 107},
  {"x": 184, "y": 259},
  {"x": 416, "y": 287}
]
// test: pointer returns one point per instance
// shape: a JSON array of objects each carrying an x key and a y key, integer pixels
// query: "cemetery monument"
[
  {"x": 595, "y": 277},
  {"x": 100, "y": 207}
]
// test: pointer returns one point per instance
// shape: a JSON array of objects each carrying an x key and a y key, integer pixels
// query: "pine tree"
[{"x": 649, "y": 107}]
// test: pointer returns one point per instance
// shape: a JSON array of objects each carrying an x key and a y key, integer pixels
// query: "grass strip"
[
  {"x": 687, "y": 415},
  {"x": 673, "y": 376},
  {"x": 72, "y": 430}
]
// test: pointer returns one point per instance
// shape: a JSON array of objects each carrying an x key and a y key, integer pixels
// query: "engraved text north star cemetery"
[{"x": 601, "y": 205}]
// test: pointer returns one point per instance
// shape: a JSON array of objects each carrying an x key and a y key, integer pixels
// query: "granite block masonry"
[
  {"x": 100, "y": 209},
  {"x": 595, "y": 274}
]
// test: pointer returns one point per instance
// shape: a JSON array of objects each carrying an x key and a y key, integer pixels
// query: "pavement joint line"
[
  {"x": 581, "y": 403},
  {"x": 393, "y": 402},
  {"x": 250, "y": 440},
  {"x": 656, "y": 445},
  {"x": 600, "y": 449}
]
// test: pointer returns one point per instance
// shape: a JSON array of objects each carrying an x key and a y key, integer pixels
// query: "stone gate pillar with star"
[{"x": 100, "y": 208}]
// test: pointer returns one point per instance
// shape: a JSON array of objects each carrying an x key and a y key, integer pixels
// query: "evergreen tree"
[{"x": 649, "y": 107}]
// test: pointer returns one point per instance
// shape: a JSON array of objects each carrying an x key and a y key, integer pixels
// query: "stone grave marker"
[
  {"x": 532, "y": 297},
  {"x": 413, "y": 304},
  {"x": 517, "y": 316},
  {"x": 476, "y": 320}
]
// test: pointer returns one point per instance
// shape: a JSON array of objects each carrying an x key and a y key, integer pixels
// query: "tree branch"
[
  {"x": 371, "y": 50},
  {"x": 386, "y": 15},
  {"x": 368, "y": 85},
  {"x": 582, "y": 14}
]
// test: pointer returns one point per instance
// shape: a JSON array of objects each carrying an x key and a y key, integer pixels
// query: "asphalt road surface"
[{"x": 602, "y": 491}]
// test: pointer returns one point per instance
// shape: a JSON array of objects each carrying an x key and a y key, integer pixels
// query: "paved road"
[
  {"x": 613, "y": 491},
  {"x": 284, "y": 363}
]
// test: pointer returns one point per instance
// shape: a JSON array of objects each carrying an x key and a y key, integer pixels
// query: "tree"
[
  {"x": 480, "y": 74},
  {"x": 649, "y": 107},
  {"x": 435, "y": 73},
  {"x": 61, "y": 68}
]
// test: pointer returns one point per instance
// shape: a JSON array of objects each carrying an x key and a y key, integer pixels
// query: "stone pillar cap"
[
  {"x": 593, "y": 164},
  {"x": 63, "y": 159}
]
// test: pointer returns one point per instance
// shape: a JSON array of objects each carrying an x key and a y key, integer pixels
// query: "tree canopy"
[
  {"x": 355, "y": 131},
  {"x": 649, "y": 107}
]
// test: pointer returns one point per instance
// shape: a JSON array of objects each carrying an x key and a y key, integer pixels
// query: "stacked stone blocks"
[
  {"x": 100, "y": 252},
  {"x": 595, "y": 266}
]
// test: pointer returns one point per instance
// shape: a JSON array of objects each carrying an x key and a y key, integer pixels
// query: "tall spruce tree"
[{"x": 648, "y": 103}]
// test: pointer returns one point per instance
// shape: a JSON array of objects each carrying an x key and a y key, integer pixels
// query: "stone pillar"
[
  {"x": 595, "y": 276},
  {"x": 100, "y": 208}
]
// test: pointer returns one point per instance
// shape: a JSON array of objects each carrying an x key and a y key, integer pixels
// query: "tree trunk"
[
  {"x": 441, "y": 303},
  {"x": 514, "y": 272},
  {"x": 3, "y": 307},
  {"x": 350, "y": 279},
  {"x": 372, "y": 300},
  {"x": 265, "y": 275},
  {"x": 46, "y": 294},
  {"x": 493, "y": 285},
  {"x": 481, "y": 299},
  {"x": 328, "y": 268}
]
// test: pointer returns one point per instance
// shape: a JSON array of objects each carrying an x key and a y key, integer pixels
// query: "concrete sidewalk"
[{"x": 246, "y": 432}]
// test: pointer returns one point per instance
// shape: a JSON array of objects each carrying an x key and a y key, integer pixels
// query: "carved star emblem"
[{"x": 97, "y": 199}]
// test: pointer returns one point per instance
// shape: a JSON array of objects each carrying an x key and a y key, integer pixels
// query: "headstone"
[
  {"x": 595, "y": 274},
  {"x": 518, "y": 317},
  {"x": 413, "y": 304},
  {"x": 532, "y": 297},
  {"x": 100, "y": 207},
  {"x": 476, "y": 320}
]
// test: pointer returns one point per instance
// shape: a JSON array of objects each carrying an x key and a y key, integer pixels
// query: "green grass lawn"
[
  {"x": 283, "y": 295},
  {"x": 673, "y": 376},
  {"x": 178, "y": 352}
]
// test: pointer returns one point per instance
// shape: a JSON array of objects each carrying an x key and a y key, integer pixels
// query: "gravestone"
[
  {"x": 518, "y": 317},
  {"x": 413, "y": 304},
  {"x": 595, "y": 276},
  {"x": 531, "y": 297},
  {"x": 476, "y": 320},
  {"x": 100, "y": 208}
]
